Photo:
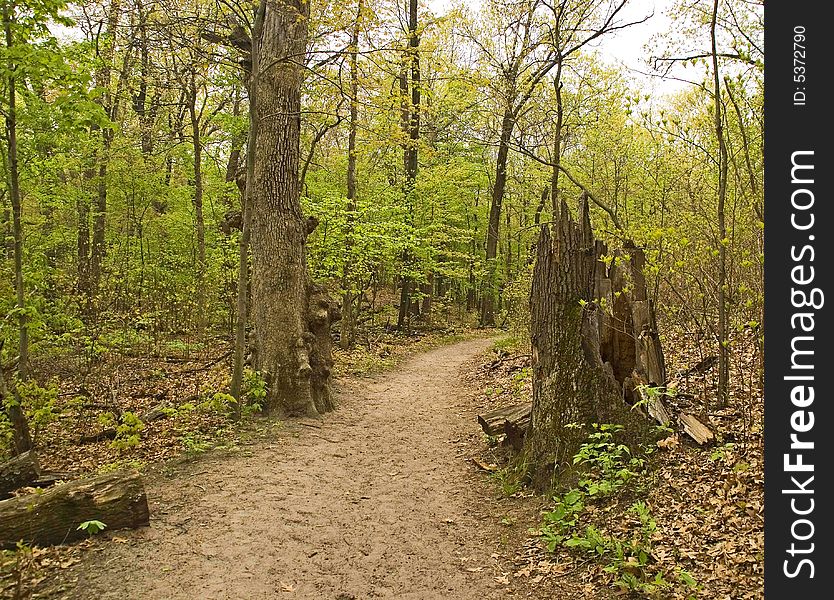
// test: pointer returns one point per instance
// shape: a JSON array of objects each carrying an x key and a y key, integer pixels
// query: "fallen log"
[
  {"x": 492, "y": 422},
  {"x": 50, "y": 478},
  {"x": 52, "y": 517},
  {"x": 21, "y": 470}
]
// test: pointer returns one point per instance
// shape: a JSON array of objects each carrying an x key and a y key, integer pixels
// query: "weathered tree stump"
[
  {"x": 21, "y": 470},
  {"x": 594, "y": 342},
  {"x": 116, "y": 499}
]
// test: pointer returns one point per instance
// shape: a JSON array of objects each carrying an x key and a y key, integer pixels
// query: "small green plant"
[
  {"x": 509, "y": 480},
  {"x": 609, "y": 465},
  {"x": 652, "y": 392},
  {"x": 195, "y": 443},
  {"x": 128, "y": 432},
  {"x": 220, "y": 403},
  {"x": 686, "y": 578},
  {"x": 91, "y": 527},
  {"x": 254, "y": 390},
  {"x": 560, "y": 521},
  {"x": 520, "y": 379},
  {"x": 723, "y": 452}
]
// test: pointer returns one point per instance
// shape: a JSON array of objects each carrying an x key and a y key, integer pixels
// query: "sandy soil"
[{"x": 378, "y": 500}]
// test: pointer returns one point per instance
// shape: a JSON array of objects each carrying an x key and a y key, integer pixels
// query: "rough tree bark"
[
  {"x": 287, "y": 346},
  {"x": 594, "y": 342}
]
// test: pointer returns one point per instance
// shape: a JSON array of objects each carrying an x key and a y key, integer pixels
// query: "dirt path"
[{"x": 379, "y": 502}]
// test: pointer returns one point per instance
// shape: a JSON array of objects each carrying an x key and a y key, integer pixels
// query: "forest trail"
[{"x": 379, "y": 502}]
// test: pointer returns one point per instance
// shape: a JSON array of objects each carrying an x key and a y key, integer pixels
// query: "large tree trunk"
[
  {"x": 593, "y": 342},
  {"x": 116, "y": 499},
  {"x": 281, "y": 287}
]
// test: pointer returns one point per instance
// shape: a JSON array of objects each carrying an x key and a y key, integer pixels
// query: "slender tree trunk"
[
  {"x": 411, "y": 126},
  {"x": 199, "y": 222},
  {"x": 14, "y": 194},
  {"x": 22, "y": 439},
  {"x": 723, "y": 317},
  {"x": 242, "y": 307},
  {"x": 414, "y": 124},
  {"x": 557, "y": 143},
  {"x": 197, "y": 145},
  {"x": 348, "y": 325},
  {"x": 428, "y": 294},
  {"x": 287, "y": 326},
  {"x": 147, "y": 115},
  {"x": 82, "y": 209},
  {"x": 490, "y": 288},
  {"x": 98, "y": 248}
]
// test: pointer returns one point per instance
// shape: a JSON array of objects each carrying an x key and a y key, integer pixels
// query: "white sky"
[{"x": 626, "y": 47}]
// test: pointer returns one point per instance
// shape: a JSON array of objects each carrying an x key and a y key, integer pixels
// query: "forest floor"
[
  {"x": 396, "y": 494},
  {"x": 379, "y": 499}
]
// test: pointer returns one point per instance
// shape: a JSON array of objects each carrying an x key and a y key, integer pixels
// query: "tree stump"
[
  {"x": 116, "y": 499},
  {"x": 594, "y": 341}
]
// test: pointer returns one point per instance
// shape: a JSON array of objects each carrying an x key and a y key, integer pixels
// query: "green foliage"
[
  {"x": 511, "y": 479},
  {"x": 195, "y": 442},
  {"x": 609, "y": 466},
  {"x": 254, "y": 390},
  {"x": 39, "y": 404},
  {"x": 91, "y": 527},
  {"x": 128, "y": 432},
  {"x": 723, "y": 453},
  {"x": 220, "y": 403}
]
